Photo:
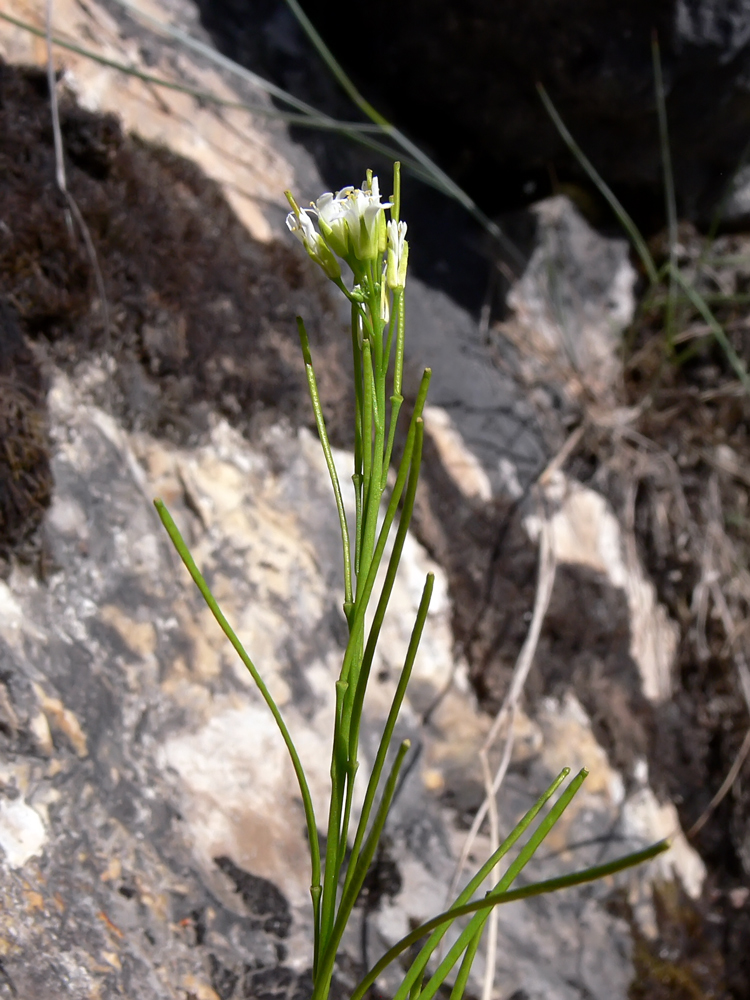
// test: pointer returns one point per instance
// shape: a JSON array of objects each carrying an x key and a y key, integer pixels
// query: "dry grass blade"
[
  {"x": 504, "y": 721},
  {"x": 73, "y": 211},
  {"x": 726, "y": 786},
  {"x": 717, "y": 550}
]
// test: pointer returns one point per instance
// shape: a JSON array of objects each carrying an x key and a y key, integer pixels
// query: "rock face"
[
  {"x": 151, "y": 835},
  {"x": 461, "y": 77}
]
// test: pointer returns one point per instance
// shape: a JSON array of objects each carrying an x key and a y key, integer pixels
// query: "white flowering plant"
[{"x": 360, "y": 243}]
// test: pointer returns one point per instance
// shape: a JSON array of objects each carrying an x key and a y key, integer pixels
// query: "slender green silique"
[
  {"x": 420, "y": 963},
  {"x": 208, "y": 597},
  {"x": 331, "y": 465},
  {"x": 593, "y": 874}
]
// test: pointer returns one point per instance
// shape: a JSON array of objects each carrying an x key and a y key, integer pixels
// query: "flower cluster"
[{"x": 352, "y": 226}]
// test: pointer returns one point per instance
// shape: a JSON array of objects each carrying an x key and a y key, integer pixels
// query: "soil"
[{"x": 202, "y": 319}]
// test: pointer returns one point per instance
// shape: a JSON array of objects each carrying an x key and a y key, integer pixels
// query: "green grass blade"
[
  {"x": 624, "y": 218},
  {"x": 334, "y": 66},
  {"x": 207, "y": 52},
  {"x": 431, "y": 172},
  {"x": 306, "y": 120},
  {"x": 669, "y": 191},
  {"x": 310, "y": 117},
  {"x": 355, "y": 131},
  {"x": 716, "y": 328},
  {"x": 208, "y": 597}
]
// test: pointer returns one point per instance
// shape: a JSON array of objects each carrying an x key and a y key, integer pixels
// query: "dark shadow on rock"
[
  {"x": 202, "y": 315},
  {"x": 260, "y": 896},
  {"x": 25, "y": 474}
]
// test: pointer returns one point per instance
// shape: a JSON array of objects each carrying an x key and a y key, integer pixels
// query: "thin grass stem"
[
  {"x": 609, "y": 196},
  {"x": 716, "y": 328},
  {"x": 669, "y": 191}
]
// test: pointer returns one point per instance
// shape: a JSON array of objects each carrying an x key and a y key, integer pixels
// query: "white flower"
[
  {"x": 332, "y": 219},
  {"x": 353, "y": 221},
  {"x": 398, "y": 255},
  {"x": 300, "y": 223}
]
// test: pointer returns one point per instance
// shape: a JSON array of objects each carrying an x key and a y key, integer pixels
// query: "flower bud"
[
  {"x": 398, "y": 255},
  {"x": 299, "y": 223}
]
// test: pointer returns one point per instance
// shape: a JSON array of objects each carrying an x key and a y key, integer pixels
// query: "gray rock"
[
  {"x": 150, "y": 825},
  {"x": 575, "y": 299}
]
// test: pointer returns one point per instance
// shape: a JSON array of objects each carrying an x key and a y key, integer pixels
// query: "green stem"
[
  {"x": 338, "y": 769},
  {"x": 390, "y": 725},
  {"x": 358, "y": 696},
  {"x": 403, "y": 471},
  {"x": 349, "y": 896},
  {"x": 368, "y": 405}
]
